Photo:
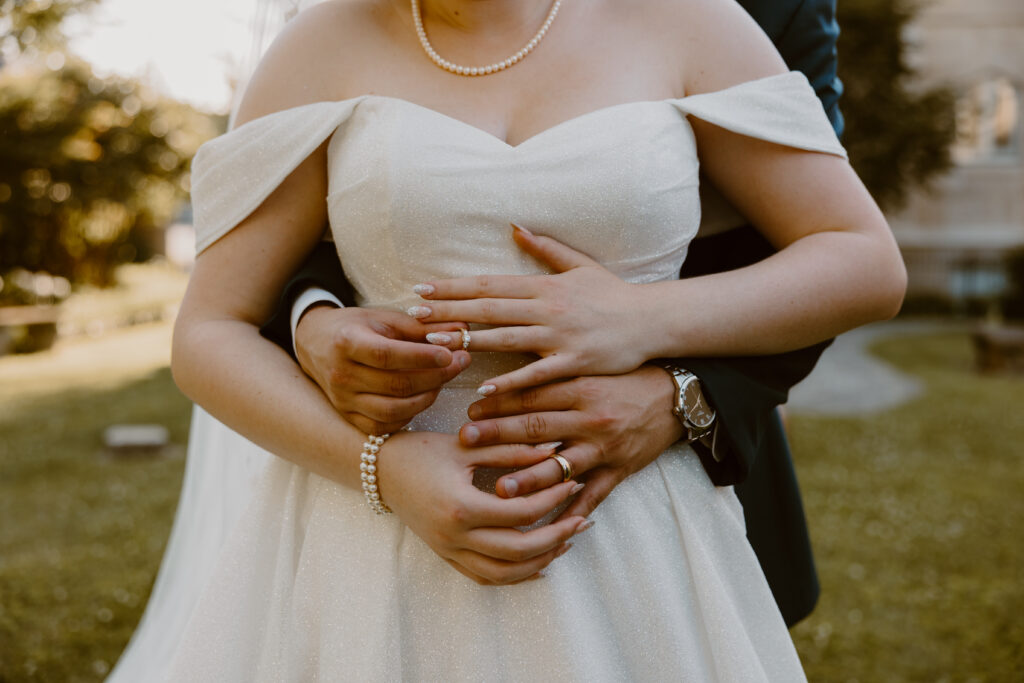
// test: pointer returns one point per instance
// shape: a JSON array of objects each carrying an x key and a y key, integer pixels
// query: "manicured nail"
[
  {"x": 423, "y": 290},
  {"x": 464, "y": 360},
  {"x": 418, "y": 311},
  {"x": 511, "y": 487},
  {"x": 487, "y": 390},
  {"x": 439, "y": 338},
  {"x": 470, "y": 434},
  {"x": 563, "y": 550},
  {"x": 583, "y": 527},
  {"x": 549, "y": 446},
  {"x": 576, "y": 489},
  {"x": 519, "y": 227}
]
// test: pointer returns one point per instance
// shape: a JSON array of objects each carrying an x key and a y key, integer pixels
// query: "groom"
[{"x": 633, "y": 421}]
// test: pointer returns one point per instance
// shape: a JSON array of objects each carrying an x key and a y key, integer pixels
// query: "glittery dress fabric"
[{"x": 311, "y": 585}]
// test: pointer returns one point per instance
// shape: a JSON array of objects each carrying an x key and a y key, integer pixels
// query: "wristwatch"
[{"x": 693, "y": 410}]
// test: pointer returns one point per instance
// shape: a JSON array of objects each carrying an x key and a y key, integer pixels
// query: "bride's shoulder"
[
  {"x": 311, "y": 58},
  {"x": 719, "y": 42}
]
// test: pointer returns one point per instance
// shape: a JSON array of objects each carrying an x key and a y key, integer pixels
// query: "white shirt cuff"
[
  {"x": 716, "y": 451},
  {"x": 310, "y": 297}
]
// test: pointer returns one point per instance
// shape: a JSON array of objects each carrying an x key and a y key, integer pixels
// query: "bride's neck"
[{"x": 486, "y": 16}]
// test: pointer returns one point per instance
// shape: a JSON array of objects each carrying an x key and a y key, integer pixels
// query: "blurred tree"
[
  {"x": 898, "y": 134},
  {"x": 86, "y": 164},
  {"x": 35, "y": 24}
]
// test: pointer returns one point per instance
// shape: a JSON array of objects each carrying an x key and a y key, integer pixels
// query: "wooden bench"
[{"x": 999, "y": 349}]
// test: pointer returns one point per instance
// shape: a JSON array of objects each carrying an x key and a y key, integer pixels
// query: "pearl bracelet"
[{"x": 368, "y": 473}]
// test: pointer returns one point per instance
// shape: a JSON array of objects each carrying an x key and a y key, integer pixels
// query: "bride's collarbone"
[{"x": 569, "y": 79}]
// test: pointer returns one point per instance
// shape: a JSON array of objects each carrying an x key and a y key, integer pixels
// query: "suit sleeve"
[
  {"x": 808, "y": 44},
  {"x": 322, "y": 269}
]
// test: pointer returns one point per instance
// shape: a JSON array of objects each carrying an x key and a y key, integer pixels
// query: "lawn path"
[
  {"x": 113, "y": 359},
  {"x": 849, "y": 380}
]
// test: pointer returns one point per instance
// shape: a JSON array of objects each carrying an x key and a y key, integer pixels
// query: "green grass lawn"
[
  {"x": 915, "y": 516},
  {"x": 916, "y": 519},
  {"x": 81, "y": 533}
]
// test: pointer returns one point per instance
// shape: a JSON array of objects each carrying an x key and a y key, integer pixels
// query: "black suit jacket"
[{"x": 745, "y": 391}]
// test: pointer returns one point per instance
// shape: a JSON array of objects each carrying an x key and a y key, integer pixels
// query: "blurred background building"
[{"x": 958, "y": 236}]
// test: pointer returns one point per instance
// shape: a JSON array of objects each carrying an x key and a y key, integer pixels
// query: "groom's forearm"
[
  {"x": 322, "y": 269},
  {"x": 745, "y": 392}
]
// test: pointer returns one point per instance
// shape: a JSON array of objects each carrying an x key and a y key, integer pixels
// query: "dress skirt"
[{"x": 313, "y": 586}]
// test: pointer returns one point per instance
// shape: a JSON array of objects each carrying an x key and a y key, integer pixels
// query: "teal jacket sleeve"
[{"x": 808, "y": 44}]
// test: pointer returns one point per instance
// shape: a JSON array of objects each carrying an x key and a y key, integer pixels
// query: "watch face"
[{"x": 698, "y": 412}]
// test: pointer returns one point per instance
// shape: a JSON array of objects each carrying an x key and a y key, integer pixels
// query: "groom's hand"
[
  {"x": 375, "y": 366},
  {"x": 610, "y": 427}
]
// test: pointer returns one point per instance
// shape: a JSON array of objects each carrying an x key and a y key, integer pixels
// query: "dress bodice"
[{"x": 416, "y": 195}]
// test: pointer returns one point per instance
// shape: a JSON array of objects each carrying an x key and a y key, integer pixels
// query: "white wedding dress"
[{"x": 311, "y": 585}]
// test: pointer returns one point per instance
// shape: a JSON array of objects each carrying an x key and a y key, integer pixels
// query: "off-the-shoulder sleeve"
[
  {"x": 782, "y": 109},
  {"x": 234, "y": 173}
]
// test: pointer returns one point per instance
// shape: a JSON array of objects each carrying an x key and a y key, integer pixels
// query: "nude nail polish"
[
  {"x": 487, "y": 390},
  {"x": 439, "y": 338},
  {"x": 519, "y": 227},
  {"x": 418, "y": 311},
  {"x": 511, "y": 487},
  {"x": 549, "y": 446},
  {"x": 576, "y": 489},
  {"x": 423, "y": 290},
  {"x": 584, "y": 526}
]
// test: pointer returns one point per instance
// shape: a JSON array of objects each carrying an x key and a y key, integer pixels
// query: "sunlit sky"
[{"x": 188, "y": 49}]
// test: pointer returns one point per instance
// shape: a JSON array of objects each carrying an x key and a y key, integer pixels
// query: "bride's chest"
[{"x": 422, "y": 191}]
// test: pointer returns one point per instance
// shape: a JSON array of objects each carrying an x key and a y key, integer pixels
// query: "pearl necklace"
[{"x": 479, "y": 70}]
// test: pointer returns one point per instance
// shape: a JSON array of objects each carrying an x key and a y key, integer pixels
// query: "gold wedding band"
[
  {"x": 465, "y": 339},
  {"x": 565, "y": 464}
]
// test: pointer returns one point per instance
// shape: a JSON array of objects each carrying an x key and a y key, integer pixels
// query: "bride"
[{"x": 590, "y": 135}]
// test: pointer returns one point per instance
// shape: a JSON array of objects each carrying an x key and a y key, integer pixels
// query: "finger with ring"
[{"x": 566, "y": 466}]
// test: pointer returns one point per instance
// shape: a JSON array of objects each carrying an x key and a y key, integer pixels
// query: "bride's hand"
[
  {"x": 426, "y": 478},
  {"x": 374, "y": 365},
  {"x": 583, "y": 320}
]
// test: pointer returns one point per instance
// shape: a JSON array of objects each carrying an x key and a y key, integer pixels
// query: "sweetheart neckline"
[
  {"x": 510, "y": 147},
  {"x": 531, "y": 138}
]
